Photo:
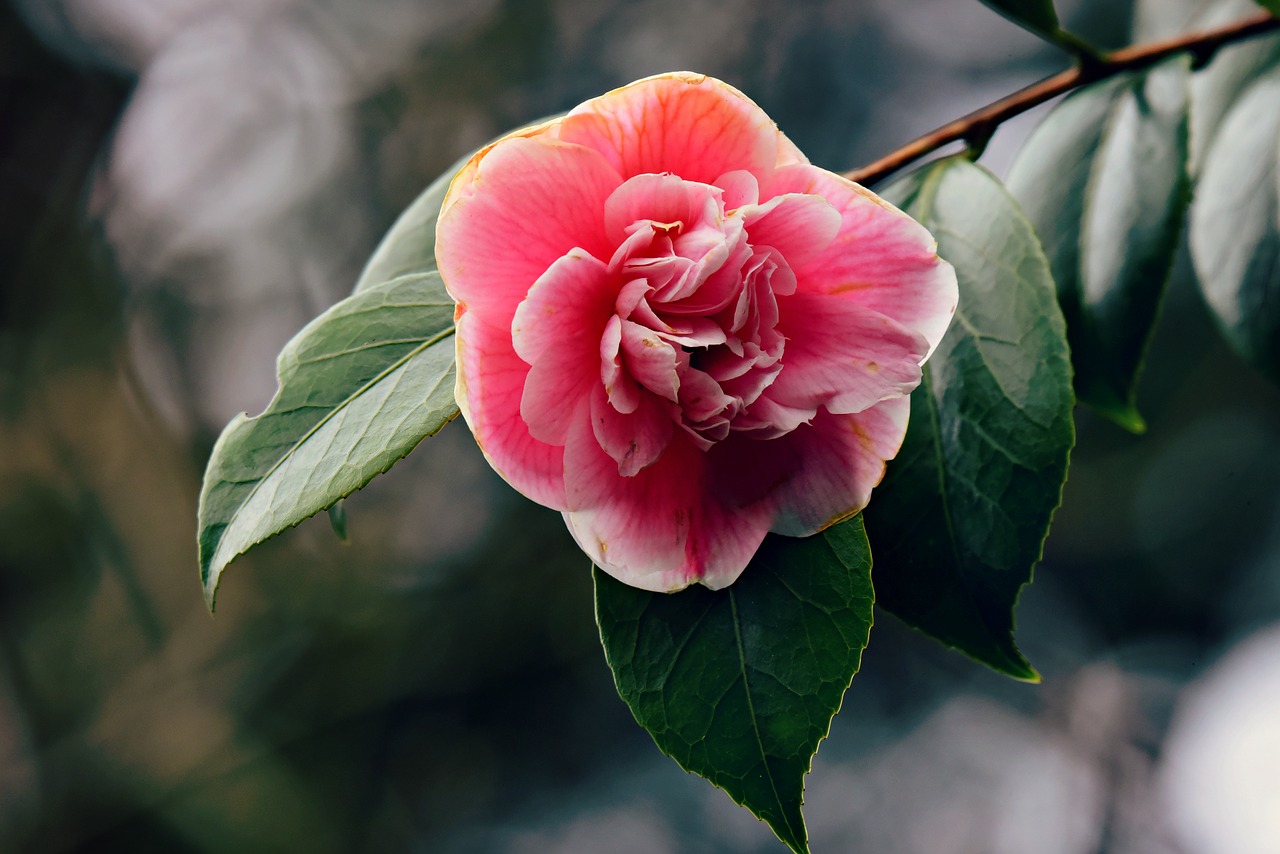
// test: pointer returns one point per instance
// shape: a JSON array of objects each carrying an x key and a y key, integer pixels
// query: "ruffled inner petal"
[
  {"x": 558, "y": 329},
  {"x": 635, "y": 439}
]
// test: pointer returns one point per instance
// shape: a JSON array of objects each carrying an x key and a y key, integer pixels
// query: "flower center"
[{"x": 695, "y": 322}]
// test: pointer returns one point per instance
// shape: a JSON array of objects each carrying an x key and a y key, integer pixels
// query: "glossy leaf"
[
  {"x": 1038, "y": 16},
  {"x": 1104, "y": 181},
  {"x": 360, "y": 386},
  {"x": 1235, "y": 225},
  {"x": 960, "y": 520},
  {"x": 739, "y": 685}
]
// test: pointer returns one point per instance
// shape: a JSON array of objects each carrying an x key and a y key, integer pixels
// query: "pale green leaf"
[
  {"x": 1104, "y": 181},
  {"x": 1235, "y": 225}
]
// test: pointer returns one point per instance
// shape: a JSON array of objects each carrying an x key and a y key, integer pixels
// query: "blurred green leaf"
[
  {"x": 739, "y": 685},
  {"x": 1104, "y": 181},
  {"x": 960, "y": 520},
  {"x": 1038, "y": 16},
  {"x": 1235, "y": 225},
  {"x": 1272, "y": 6},
  {"x": 1215, "y": 87},
  {"x": 360, "y": 387},
  {"x": 338, "y": 520}
]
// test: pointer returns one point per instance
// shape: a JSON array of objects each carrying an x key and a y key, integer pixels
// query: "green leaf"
[
  {"x": 338, "y": 520},
  {"x": 1038, "y": 16},
  {"x": 360, "y": 386},
  {"x": 1215, "y": 88},
  {"x": 1104, "y": 181},
  {"x": 1272, "y": 6},
  {"x": 1235, "y": 225},
  {"x": 960, "y": 520},
  {"x": 1233, "y": 67},
  {"x": 739, "y": 685}
]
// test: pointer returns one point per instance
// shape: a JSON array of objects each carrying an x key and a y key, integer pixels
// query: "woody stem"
[{"x": 978, "y": 126}]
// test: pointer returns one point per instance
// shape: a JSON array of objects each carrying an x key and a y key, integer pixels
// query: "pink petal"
[
  {"x": 650, "y": 360},
  {"x": 635, "y": 439},
  {"x": 686, "y": 124},
  {"x": 664, "y": 199},
  {"x": 622, "y": 390},
  {"x": 517, "y": 207},
  {"x": 827, "y": 469},
  {"x": 800, "y": 227},
  {"x": 843, "y": 356},
  {"x": 666, "y": 527},
  {"x": 739, "y": 188},
  {"x": 490, "y": 381},
  {"x": 558, "y": 329},
  {"x": 881, "y": 259}
]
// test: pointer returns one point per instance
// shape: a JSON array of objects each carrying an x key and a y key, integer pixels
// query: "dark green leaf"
[
  {"x": 1272, "y": 6},
  {"x": 1038, "y": 16},
  {"x": 739, "y": 685},
  {"x": 959, "y": 522},
  {"x": 1104, "y": 181},
  {"x": 360, "y": 386},
  {"x": 1235, "y": 225}
]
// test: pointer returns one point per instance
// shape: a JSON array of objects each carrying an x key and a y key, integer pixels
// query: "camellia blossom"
[{"x": 675, "y": 330}]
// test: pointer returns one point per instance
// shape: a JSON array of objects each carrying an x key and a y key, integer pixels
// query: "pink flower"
[{"x": 678, "y": 332}]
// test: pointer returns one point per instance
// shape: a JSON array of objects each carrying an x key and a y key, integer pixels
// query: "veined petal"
[
  {"x": 661, "y": 529},
  {"x": 798, "y": 226},
  {"x": 687, "y": 124},
  {"x": 843, "y": 356},
  {"x": 635, "y": 439},
  {"x": 524, "y": 204},
  {"x": 491, "y": 379},
  {"x": 882, "y": 258},
  {"x": 815, "y": 491}
]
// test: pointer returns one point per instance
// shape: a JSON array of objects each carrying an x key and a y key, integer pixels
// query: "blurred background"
[{"x": 184, "y": 183}]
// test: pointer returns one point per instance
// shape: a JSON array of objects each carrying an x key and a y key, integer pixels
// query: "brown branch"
[{"x": 977, "y": 127}]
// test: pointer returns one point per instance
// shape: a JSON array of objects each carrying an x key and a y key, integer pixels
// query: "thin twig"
[{"x": 979, "y": 125}]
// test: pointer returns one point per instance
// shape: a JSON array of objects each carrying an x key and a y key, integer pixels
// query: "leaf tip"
[
  {"x": 1029, "y": 675},
  {"x": 210, "y": 586},
  {"x": 1126, "y": 417},
  {"x": 338, "y": 521}
]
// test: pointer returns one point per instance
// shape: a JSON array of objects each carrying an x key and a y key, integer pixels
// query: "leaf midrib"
[
  {"x": 215, "y": 564},
  {"x": 751, "y": 712}
]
